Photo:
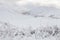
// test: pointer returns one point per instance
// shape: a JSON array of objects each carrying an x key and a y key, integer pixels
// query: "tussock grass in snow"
[{"x": 39, "y": 33}]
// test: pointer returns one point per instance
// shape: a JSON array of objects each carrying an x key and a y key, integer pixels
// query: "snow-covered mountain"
[{"x": 43, "y": 11}]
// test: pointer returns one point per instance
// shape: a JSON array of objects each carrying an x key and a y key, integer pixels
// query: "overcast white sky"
[{"x": 55, "y": 3}]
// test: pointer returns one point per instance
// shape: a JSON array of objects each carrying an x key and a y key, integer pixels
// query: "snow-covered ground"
[{"x": 22, "y": 19}]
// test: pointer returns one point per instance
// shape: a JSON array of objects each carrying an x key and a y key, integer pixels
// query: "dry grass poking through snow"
[{"x": 42, "y": 33}]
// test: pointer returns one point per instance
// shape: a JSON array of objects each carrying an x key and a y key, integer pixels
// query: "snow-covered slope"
[
  {"x": 11, "y": 32},
  {"x": 27, "y": 18}
]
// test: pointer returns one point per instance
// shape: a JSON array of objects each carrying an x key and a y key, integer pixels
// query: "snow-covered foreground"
[
  {"x": 28, "y": 22},
  {"x": 10, "y": 32}
]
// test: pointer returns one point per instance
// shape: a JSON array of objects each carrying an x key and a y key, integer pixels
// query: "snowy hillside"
[
  {"x": 29, "y": 20},
  {"x": 10, "y": 32}
]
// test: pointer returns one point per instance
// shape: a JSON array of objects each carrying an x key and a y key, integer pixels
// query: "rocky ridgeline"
[{"x": 11, "y": 32}]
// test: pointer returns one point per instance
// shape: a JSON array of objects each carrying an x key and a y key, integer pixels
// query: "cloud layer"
[{"x": 54, "y": 3}]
